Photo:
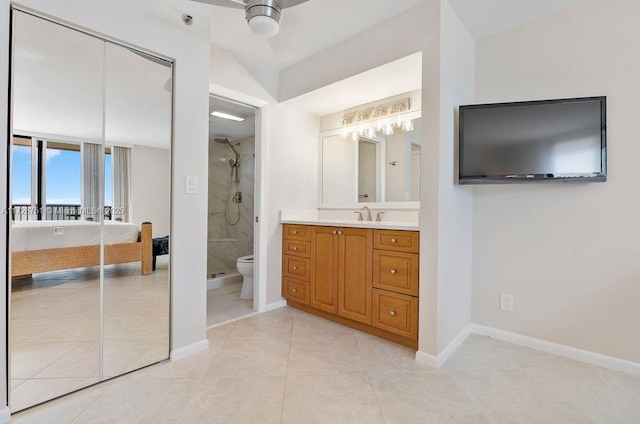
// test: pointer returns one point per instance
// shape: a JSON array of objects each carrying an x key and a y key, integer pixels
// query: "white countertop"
[{"x": 357, "y": 224}]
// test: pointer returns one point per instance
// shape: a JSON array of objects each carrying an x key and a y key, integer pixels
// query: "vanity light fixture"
[
  {"x": 381, "y": 118},
  {"x": 229, "y": 116}
]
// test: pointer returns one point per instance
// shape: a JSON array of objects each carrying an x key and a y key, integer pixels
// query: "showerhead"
[{"x": 226, "y": 141}]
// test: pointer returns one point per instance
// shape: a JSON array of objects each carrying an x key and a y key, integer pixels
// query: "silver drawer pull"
[
  {"x": 294, "y": 290},
  {"x": 393, "y": 272},
  {"x": 295, "y": 268},
  {"x": 393, "y": 240},
  {"x": 335, "y": 232},
  {"x": 295, "y": 232},
  {"x": 392, "y": 313},
  {"x": 295, "y": 248},
  {"x": 339, "y": 232}
]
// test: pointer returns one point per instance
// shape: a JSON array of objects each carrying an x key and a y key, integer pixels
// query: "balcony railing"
[{"x": 21, "y": 212}]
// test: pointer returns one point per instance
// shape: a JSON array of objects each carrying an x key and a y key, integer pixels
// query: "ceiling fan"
[{"x": 263, "y": 16}]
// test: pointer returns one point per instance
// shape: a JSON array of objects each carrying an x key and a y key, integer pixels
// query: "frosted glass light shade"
[{"x": 264, "y": 26}]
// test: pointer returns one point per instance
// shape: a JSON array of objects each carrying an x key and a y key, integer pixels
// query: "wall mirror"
[
  {"x": 90, "y": 192},
  {"x": 383, "y": 170}
]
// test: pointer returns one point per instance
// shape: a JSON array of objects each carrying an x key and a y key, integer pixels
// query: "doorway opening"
[{"x": 231, "y": 211}]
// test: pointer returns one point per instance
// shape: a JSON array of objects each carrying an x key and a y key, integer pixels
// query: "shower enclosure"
[{"x": 231, "y": 194}]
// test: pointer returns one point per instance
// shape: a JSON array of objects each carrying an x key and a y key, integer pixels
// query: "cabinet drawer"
[
  {"x": 297, "y": 232},
  {"x": 395, "y": 313},
  {"x": 399, "y": 241},
  {"x": 297, "y": 248},
  {"x": 396, "y": 271},
  {"x": 296, "y": 267},
  {"x": 295, "y": 290}
]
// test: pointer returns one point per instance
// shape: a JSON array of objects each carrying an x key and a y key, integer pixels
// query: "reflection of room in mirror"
[
  {"x": 85, "y": 181},
  {"x": 385, "y": 168},
  {"x": 369, "y": 171}
]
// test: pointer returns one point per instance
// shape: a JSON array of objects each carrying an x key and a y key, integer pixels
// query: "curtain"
[
  {"x": 121, "y": 163},
  {"x": 91, "y": 190}
]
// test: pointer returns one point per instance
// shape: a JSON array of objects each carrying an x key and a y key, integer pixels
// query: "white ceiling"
[
  {"x": 316, "y": 25},
  {"x": 225, "y": 128},
  {"x": 58, "y": 88},
  {"x": 400, "y": 76},
  {"x": 485, "y": 17},
  {"x": 306, "y": 29}
]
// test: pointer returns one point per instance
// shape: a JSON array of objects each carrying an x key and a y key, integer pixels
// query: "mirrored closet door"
[{"x": 90, "y": 191}]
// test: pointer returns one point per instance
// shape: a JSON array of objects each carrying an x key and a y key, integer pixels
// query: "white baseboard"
[
  {"x": 453, "y": 346},
  {"x": 560, "y": 350},
  {"x": 216, "y": 283},
  {"x": 426, "y": 359},
  {"x": 189, "y": 350},
  {"x": 438, "y": 361},
  {"x": 5, "y": 415},
  {"x": 277, "y": 305}
]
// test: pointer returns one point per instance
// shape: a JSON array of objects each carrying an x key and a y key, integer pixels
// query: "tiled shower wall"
[{"x": 226, "y": 242}]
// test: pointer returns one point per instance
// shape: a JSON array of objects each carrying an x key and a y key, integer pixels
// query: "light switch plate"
[{"x": 191, "y": 184}]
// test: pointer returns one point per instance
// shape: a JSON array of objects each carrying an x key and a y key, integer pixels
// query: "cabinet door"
[
  {"x": 324, "y": 269},
  {"x": 355, "y": 274}
]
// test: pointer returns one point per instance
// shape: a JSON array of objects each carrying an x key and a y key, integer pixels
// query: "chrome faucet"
[{"x": 368, "y": 211}]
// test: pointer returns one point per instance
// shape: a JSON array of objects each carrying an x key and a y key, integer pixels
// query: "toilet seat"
[{"x": 246, "y": 259}]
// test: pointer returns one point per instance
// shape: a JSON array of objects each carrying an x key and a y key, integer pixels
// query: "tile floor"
[
  {"x": 55, "y": 328},
  {"x": 286, "y": 366},
  {"x": 224, "y": 304}
]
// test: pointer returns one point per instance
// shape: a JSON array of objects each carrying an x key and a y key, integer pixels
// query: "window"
[
  {"x": 21, "y": 178},
  {"x": 58, "y": 183}
]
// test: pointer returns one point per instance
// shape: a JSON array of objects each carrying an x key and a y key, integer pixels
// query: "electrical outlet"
[{"x": 506, "y": 302}]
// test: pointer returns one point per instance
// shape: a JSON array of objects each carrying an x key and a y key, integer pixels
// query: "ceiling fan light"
[{"x": 264, "y": 26}]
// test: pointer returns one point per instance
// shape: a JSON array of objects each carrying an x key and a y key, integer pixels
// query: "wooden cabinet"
[
  {"x": 396, "y": 271},
  {"x": 359, "y": 277},
  {"x": 399, "y": 241},
  {"x": 296, "y": 263},
  {"x": 355, "y": 274},
  {"x": 396, "y": 313},
  {"x": 396, "y": 267},
  {"x": 341, "y": 271},
  {"x": 325, "y": 245}
]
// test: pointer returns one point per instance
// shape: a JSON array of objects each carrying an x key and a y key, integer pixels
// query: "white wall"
[
  {"x": 157, "y": 26},
  {"x": 151, "y": 188},
  {"x": 385, "y": 42},
  {"x": 292, "y": 153},
  {"x": 457, "y": 54},
  {"x": 567, "y": 252}
]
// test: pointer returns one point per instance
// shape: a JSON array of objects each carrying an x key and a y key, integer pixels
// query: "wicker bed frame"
[{"x": 33, "y": 261}]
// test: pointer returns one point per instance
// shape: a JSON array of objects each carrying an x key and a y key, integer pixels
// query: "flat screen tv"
[{"x": 540, "y": 141}]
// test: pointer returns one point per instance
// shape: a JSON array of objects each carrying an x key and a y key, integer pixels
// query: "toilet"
[{"x": 245, "y": 267}]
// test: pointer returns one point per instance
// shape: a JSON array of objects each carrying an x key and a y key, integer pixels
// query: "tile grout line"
[
  {"x": 471, "y": 399},
  {"x": 90, "y": 405},
  {"x": 286, "y": 374},
  {"x": 373, "y": 390}
]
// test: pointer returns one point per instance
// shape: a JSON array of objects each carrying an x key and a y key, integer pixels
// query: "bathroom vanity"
[{"x": 364, "y": 278}]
